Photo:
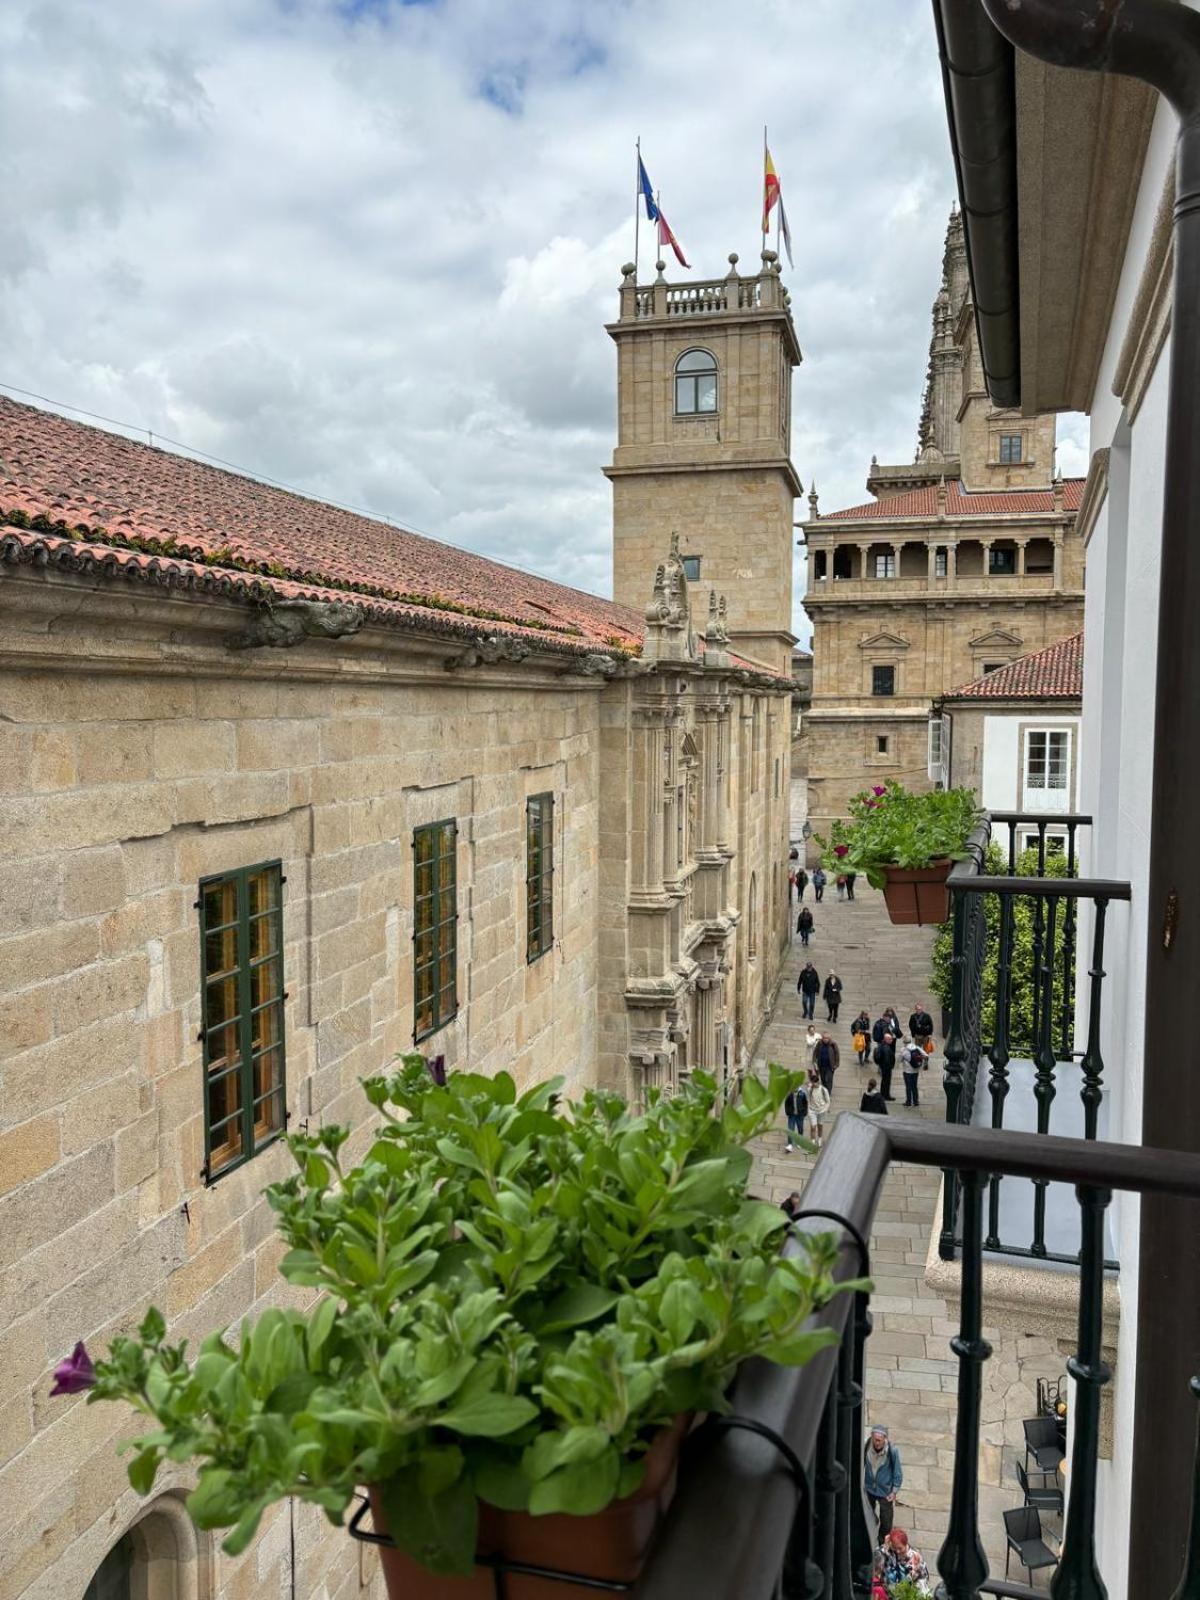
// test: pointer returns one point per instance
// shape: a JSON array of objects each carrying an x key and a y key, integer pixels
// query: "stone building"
[
  {"x": 286, "y": 792},
  {"x": 965, "y": 559}
]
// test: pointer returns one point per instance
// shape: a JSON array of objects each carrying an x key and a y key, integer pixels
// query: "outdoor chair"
[
  {"x": 1023, "y": 1529},
  {"x": 1042, "y": 1443},
  {"x": 1041, "y": 1489}
]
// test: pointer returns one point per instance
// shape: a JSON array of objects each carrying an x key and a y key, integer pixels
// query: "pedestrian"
[
  {"x": 883, "y": 1475},
  {"x": 860, "y": 1032},
  {"x": 839, "y": 884},
  {"x": 920, "y": 1026},
  {"x": 885, "y": 1059},
  {"x": 828, "y": 1058},
  {"x": 791, "y": 1206},
  {"x": 795, "y": 1109},
  {"x": 888, "y": 1022},
  {"x": 872, "y": 1100},
  {"x": 833, "y": 995},
  {"x": 819, "y": 881},
  {"x": 801, "y": 881},
  {"x": 804, "y": 924},
  {"x": 812, "y": 1038},
  {"x": 791, "y": 884},
  {"x": 818, "y": 1108},
  {"x": 850, "y": 877},
  {"x": 902, "y": 1563},
  {"x": 913, "y": 1062},
  {"x": 809, "y": 985}
]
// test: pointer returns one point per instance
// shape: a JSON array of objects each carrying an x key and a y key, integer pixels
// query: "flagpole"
[
  {"x": 637, "y": 207},
  {"x": 764, "y": 188}
]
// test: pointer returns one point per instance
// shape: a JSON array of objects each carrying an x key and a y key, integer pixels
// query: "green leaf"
[
  {"x": 153, "y": 1328},
  {"x": 246, "y": 1526},
  {"x": 501, "y": 1483},
  {"x": 799, "y": 1348},
  {"x": 582, "y": 1302},
  {"x": 320, "y": 1326},
  {"x": 491, "y": 1416},
  {"x": 582, "y": 1489},
  {"x": 438, "y": 1530},
  {"x": 142, "y": 1470},
  {"x": 217, "y": 1499}
]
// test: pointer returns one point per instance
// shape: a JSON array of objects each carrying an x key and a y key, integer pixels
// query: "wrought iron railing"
[
  {"x": 770, "y": 1501},
  {"x": 1001, "y": 1014}
]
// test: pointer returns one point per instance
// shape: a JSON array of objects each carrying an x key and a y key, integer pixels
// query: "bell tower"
[{"x": 704, "y": 388}]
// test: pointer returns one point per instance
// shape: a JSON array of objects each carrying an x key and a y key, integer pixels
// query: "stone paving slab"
[{"x": 911, "y": 1373}]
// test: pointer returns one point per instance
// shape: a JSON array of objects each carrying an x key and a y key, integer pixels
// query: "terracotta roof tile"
[
  {"x": 1055, "y": 673},
  {"x": 962, "y": 502},
  {"x": 83, "y": 476}
]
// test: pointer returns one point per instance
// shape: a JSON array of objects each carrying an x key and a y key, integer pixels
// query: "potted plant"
[
  {"x": 906, "y": 844},
  {"x": 523, "y": 1302}
]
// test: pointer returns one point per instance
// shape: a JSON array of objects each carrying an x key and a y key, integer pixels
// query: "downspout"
[{"x": 1158, "y": 42}]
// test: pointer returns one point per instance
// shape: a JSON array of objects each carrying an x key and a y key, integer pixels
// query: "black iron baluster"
[
  {"x": 1078, "y": 1576},
  {"x": 849, "y": 1449},
  {"x": 1044, "y": 1062},
  {"x": 956, "y": 1054},
  {"x": 962, "y": 1562},
  {"x": 1039, "y": 933},
  {"x": 1091, "y": 1092},
  {"x": 1012, "y": 848},
  {"x": 1066, "y": 1040},
  {"x": 862, "y": 1536},
  {"x": 1189, "y": 1584},
  {"x": 999, "y": 1056},
  {"x": 829, "y": 1481}
]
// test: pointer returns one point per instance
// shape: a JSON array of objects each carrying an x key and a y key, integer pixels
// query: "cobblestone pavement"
[{"x": 912, "y": 1376}]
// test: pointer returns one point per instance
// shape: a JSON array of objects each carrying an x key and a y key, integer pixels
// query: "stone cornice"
[
  {"x": 1095, "y": 493},
  {"x": 1150, "y": 318}
]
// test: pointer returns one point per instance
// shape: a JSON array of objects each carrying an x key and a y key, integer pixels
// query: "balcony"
[{"x": 780, "y": 1477}]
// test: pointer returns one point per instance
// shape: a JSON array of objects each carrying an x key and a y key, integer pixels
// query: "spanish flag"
[
  {"x": 770, "y": 189},
  {"x": 665, "y": 236}
]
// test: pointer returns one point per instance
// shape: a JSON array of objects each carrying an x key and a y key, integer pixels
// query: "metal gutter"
[{"x": 978, "y": 74}]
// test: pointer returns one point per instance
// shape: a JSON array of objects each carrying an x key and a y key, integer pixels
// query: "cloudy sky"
[{"x": 368, "y": 248}]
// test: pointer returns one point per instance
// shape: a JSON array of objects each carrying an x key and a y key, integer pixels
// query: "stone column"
[
  {"x": 864, "y": 568},
  {"x": 1021, "y": 543},
  {"x": 931, "y": 562},
  {"x": 1058, "y": 557},
  {"x": 648, "y": 791},
  {"x": 987, "y": 556},
  {"x": 704, "y": 1043},
  {"x": 951, "y": 563}
]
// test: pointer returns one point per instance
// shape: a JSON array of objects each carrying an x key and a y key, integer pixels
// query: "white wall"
[
  {"x": 1002, "y": 765},
  {"x": 1120, "y": 633}
]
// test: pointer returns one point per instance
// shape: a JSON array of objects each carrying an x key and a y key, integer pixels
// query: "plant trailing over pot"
[
  {"x": 905, "y": 843},
  {"x": 519, "y": 1295}
]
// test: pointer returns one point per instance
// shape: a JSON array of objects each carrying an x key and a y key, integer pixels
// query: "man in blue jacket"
[{"x": 882, "y": 1477}]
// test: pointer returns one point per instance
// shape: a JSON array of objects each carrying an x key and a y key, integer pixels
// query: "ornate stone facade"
[{"x": 967, "y": 558}]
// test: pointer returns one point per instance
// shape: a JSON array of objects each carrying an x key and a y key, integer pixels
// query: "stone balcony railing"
[
  {"x": 991, "y": 585},
  {"x": 710, "y": 297}
]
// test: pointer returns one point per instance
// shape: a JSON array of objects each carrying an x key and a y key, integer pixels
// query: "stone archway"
[{"x": 169, "y": 1559}]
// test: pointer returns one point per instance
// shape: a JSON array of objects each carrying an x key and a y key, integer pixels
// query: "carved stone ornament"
[{"x": 289, "y": 622}]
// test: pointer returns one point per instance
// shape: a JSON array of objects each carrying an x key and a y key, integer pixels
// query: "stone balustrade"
[{"x": 708, "y": 297}]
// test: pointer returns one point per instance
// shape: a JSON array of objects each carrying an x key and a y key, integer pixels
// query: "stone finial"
[
  {"x": 769, "y": 257},
  {"x": 627, "y": 271},
  {"x": 812, "y": 502},
  {"x": 1058, "y": 490},
  {"x": 668, "y": 616},
  {"x": 661, "y": 267},
  {"x": 733, "y": 261},
  {"x": 874, "y": 460},
  {"x": 941, "y": 496}
]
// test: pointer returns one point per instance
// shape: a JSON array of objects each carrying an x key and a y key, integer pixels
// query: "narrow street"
[{"x": 912, "y": 1376}]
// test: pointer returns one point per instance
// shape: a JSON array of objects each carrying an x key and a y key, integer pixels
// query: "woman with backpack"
[{"x": 795, "y": 1109}]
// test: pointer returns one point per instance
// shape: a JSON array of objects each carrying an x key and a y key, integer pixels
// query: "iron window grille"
[
  {"x": 242, "y": 1021},
  {"x": 539, "y": 875},
  {"x": 883, "y": 680},
  {"x": 695, "y": 384},
  {"x": 435, "y": 926}
]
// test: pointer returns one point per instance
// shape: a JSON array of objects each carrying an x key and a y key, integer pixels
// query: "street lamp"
[{"x": 806, "y": 831}]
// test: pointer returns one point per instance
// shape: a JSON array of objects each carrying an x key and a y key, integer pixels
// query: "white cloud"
[{"x": 368, "y": 248}]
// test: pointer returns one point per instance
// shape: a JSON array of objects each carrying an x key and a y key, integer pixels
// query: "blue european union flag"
[{"x": 647, "y": 192}]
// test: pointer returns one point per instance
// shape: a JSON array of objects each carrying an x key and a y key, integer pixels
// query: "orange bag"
[
  {"x": 860, "y": 1042},
  {"x": 929, "y": 1046}
]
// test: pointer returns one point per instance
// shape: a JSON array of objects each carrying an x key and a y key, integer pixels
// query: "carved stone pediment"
[{"x": 883, "y": 641}]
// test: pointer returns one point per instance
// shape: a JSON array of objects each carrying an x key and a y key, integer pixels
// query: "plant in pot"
[
  {"x": 905, "y": 844},
  {"x": 523, "y": 1303}
]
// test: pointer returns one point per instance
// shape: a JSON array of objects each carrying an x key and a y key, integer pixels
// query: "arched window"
[
  {"x": 113, "y": 1577},
  {"x": 161, "y": 1557},
  {"x": 752, "y": 917},
  {"x": 695, "y": 383}
]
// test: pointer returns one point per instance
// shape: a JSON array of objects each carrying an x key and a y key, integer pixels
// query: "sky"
[{"x": 367, "y": 248}]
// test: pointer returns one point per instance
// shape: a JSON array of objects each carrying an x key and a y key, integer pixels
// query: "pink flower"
[
  {"x": 75, "y": 1374},
  {"x": 841, "y": 850},
  {"x": 878, "y": 789},
  {"x": 870, "y": 805}
]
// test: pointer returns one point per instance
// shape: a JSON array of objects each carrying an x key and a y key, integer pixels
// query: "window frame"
[
  {"x": 1001, "y": 563},
  {"x": 539, "y": 880},
  {"x": 876, "y": 668},
  {"x": 252, "y": 1139},
  {"x": 688, "y": 562},
  {"x": 886, "y": 558},
  {"x": 442, "y": 964},
  {"x": 1047, "y": 734},
  {"x": 1008, "y": 441},
  {"x": 941, "y": 563},
  {"x": 692, "y": 377}
]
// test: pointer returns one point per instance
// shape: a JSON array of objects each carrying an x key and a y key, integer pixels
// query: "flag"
[
  {"x": 770, "y": 189},
  {"x": 665, "y": 236},
  {"x": 786, "y": 232},
  {"x": 647, "y": 192}
]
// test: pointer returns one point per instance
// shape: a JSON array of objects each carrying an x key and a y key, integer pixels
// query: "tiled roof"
[
  {"x": 1055, "y": 673},
  {"x": 962, "y": 502},
  {"x": 120, "y": 503}
]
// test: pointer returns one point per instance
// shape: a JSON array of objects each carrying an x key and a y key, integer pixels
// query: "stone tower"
[{"x": 704, "y": 379}]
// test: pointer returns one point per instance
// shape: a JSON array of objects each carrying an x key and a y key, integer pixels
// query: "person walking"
[
  {"x": 818, "y": 1108},
  {"x": 801, "y": 881},
  {"x": 872, "y": 1100},
  {"x": 795, "y": 1109},
  {"x": 912, "y": 1064},
  {"x": 860, "y": 1032},
  {"x": 809, "y": 986},
  {"x": 818, "y": 881},
  {"x": 850, "y": 877},
  {"x": 828, "y": 1058},
  {"x": 832, "y": 993},
  {"x": 902, "y": 1563},
  {"x": 812, "y": 1038},
  {"x": 839, "y": 883},
  {"x": 804, "y": 924},
  {"x": 885, "y": 1059},
  {"x": 883, "y": 1475},
  {"x": 920, "y": 1026},
  {"x": 888, "y": 1022}
]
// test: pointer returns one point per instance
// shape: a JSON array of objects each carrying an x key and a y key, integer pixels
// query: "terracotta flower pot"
[
  {"x": 612, "y": 1544},
  {"x": 918, "y": 895}
]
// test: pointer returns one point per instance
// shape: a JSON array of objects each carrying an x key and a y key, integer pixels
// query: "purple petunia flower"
[
  {"x": 75, "y": 1374},
  {"x": 841, "y": 850},
  {"x": 878, "y": 789},
  {"x": 437, "y": 1070}
]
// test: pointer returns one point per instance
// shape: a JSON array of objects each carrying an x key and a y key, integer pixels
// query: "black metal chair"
[
  {"x": 1042, "y": 1443},
  {"x": 1041, "y": 1489},
  {"x": 1023, "y": 1529}
]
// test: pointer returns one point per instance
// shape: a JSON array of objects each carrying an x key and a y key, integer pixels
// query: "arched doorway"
[{"x": 161, "y": 1557}]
